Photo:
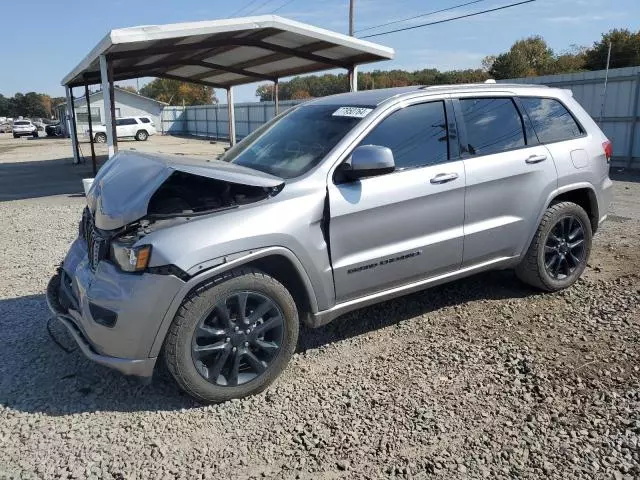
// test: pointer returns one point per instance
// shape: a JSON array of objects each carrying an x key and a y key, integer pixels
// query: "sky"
[{"x": 43, "y": 43}]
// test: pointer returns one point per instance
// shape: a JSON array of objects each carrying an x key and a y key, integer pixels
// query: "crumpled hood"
[{"x": 124, "y": 185}]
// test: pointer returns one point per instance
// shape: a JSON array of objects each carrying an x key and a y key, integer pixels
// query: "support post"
[
  {"x": 71, "y": 124},
  {"x": 276, "y": 96},
  {"x": 112, "y": 99},
  {"x": 232, "y": 117},
  {"x": 93, "y": 150},
  {"x": 106, "y": 97},
  {"x": 353, "y": 79}
]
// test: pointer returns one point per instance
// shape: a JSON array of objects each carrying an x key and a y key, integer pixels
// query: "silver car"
[{"x": 339, "y": 203}]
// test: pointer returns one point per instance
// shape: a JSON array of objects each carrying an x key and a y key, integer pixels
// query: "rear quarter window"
[
  {"x": 551, "y": 120},
  {"x": 145, "y": 120}
]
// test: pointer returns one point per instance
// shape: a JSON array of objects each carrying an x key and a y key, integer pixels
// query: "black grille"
[{"x": 97, "y": 245}]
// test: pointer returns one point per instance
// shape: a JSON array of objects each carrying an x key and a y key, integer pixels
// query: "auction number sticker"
[{"x": 357, "y": 112}]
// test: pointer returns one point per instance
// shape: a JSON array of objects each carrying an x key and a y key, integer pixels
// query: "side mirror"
[{"x": 369, "y": 161}]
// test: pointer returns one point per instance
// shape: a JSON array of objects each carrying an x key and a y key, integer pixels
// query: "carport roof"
[{"x": 224, "y": 53}]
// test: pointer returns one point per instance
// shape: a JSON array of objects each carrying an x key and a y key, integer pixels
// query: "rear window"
[
  {"x": 126, "y": 121},
  {"x": 21, "y": 123},
  {"x": 145, "y": 120},
  {"x": 493, "y": 125},
  {"x": 551, "y": 120}
]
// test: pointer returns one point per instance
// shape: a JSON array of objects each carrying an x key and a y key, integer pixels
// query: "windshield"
[
  {"x": 21, "y": 123},
  {"x": 296, "y": 142}
]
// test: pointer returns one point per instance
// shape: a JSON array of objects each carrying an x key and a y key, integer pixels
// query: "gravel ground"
[{"x": 482, "y": 378}]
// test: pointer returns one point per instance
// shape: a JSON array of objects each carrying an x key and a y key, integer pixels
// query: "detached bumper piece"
[{"x": 58, "y": 291}]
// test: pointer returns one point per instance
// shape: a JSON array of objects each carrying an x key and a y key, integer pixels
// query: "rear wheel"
[
  {"x": 35, "y": 134},
  {"x": 560, "y": 248},
  {"x": 232, "y": 338},
  {"x": 100, "y": 137},
  {"x": 142, "y": 135}
]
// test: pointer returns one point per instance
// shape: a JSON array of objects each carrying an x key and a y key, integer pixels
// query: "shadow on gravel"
[
  {"x": 624, "y": 175},
  {"x": 35, "y": 179},
  {"x": 494, "y": 285},
  {"x": 36, "y": 375}
]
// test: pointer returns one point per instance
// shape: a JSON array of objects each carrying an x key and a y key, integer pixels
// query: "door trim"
[{"x": 322, "y": 318}]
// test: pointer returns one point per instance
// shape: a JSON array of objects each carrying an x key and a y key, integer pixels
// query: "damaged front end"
[
  {"x": 106, "y": 292},
  {"x": 134, "y": 193}
]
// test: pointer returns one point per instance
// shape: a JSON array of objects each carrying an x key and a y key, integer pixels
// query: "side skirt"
[{"x": 326, "y": 316}]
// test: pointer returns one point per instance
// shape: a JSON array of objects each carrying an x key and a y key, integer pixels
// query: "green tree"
[
  {"x": 4, "y": 106},
  {"x": 175, "y": 92},
  {"x": 527, "y": 57},
  {"x": 625, "y": 50}
]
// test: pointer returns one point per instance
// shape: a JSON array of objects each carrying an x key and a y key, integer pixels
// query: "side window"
[
  {"x": 551, "y": 120},
  {"x": 417, "y": 135},
  {"x": 120, "y": 122},
  {"x": 493, "y": 125},
  {"x": 126, "y": 121},
  {"x": 145, "y": 120}
]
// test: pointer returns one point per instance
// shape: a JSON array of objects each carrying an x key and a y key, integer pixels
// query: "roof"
[
  {"x": 123, "y": 90},
  {"x": 223, "y": 53},
  {"x": 376, "y": 97}
]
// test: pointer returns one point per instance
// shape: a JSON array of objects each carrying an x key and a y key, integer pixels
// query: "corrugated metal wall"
[
  {"x": 619, "y": 117},
  {"x": 212, "y": 121}
]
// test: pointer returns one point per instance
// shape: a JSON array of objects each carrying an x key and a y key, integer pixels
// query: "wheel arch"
[
  {"x": 583, "y": 195},
  {"x": 278, "y": 262}
]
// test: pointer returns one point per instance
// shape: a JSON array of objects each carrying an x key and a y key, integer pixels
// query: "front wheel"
[
  {"x": 233, "y": 337},
  {"x": 142, "y": 135},
  {"x": 100, "y": 138},
  {"x": 560, "y": 248}
]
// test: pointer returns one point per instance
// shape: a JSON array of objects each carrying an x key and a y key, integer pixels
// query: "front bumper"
[
  {"x": 24, "y": 134},
  {"x": 137, "y": 303}
]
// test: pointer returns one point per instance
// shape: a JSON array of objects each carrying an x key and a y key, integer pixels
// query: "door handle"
[
  {"x": 444, "y": 177},
  {"x": 536, "y": 159}
]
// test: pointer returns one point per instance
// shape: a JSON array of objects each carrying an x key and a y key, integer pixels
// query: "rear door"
[
  {"x": 509, "y": 177},
  {"x": 392, "y": 229}
]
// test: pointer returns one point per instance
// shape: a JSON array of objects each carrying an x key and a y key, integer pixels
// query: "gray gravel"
[{"x": 483, "y": 378}]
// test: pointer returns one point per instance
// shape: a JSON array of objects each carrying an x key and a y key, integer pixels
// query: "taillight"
[{"x": 608, "y": 150}]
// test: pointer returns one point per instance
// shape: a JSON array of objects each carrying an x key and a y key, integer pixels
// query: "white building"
[{"x": 127, "y": 104}]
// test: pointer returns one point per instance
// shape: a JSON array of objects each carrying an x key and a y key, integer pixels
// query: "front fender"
[{"x": 220, "y": 266}]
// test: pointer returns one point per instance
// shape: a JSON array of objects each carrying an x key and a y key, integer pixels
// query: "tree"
[
  {"x": 527, "y": 57},
  {"x": 625, "y": 50},
  {"x": 175, "y": 92},
  {"x": 128, "y": 88}
]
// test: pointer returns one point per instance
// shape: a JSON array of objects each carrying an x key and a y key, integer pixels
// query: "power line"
[
  {"x": 421, "y": 15},
  {"x": 448, "y": 19},
  {"x": 283, "y": 5},
  {"x": 258, "y": 7},
  {"x": 251, "y": 2}
]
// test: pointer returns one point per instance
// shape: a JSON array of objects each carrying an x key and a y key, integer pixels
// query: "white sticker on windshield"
[{"x": 357, "y": 112}]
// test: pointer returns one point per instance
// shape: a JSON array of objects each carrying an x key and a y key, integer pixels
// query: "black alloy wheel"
[
  {"x": 238, "y": 339},
  {"x": 564, "y": 249}
]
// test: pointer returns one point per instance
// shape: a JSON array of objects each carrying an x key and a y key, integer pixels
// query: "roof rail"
[{"x": 480, "y": 85}]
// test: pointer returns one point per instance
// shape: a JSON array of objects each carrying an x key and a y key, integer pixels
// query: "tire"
[
  {"x": 142, "y": 135},
  {"x": 558, "y": 255},
  {"x": 15, "y": 136},
  {"x": 35, "y": 134},
  {"x": 200, "y": 312},
  {"x": 100, "y": 137}
]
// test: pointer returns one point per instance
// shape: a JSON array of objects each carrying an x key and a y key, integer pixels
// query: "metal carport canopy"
[{"x": 217, "y": 53}]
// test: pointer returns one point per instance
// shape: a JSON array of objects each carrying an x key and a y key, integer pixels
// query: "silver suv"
[{"x": 336, "y": 204}]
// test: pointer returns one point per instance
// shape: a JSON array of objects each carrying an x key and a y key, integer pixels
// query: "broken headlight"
[{"x": 128, "y": 257}]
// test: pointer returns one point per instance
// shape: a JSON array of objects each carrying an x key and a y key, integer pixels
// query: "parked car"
[
  {"x": 6, "y": 127},
  {"x": 140, "y": 128},
  {"x": 336, "y": 204},
  {"x": 23, "y": 128},
  {"x": 53, "y": 130}
]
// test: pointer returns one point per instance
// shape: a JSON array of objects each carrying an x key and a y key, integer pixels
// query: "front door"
[
  {"x": 392, "y": 229},
  {"x": 509, "y": 178}
]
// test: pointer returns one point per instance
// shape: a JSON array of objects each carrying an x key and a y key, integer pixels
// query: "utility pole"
[
  {"x": 606, "y": 78},
  {"x": 353, "y": 73}
]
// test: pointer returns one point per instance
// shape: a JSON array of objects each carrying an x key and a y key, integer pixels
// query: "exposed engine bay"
[{"x": 183, "y": 194}]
